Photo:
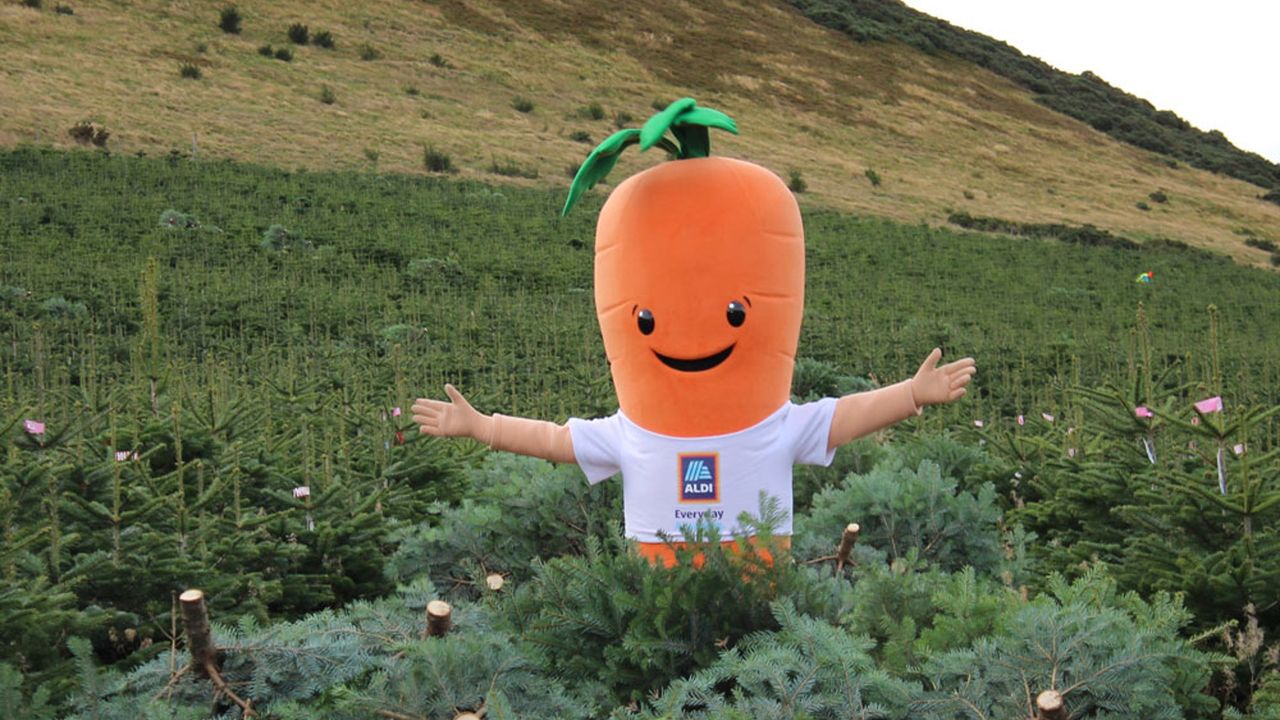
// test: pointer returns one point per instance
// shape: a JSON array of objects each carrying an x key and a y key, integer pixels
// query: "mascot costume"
[{"x": 699, "y": 291}]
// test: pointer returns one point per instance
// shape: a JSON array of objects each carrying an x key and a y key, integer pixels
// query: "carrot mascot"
[{"x": 699, "y": 291}]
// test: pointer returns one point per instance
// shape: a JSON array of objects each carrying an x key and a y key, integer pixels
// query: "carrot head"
[{"x": 699, "y": 288}]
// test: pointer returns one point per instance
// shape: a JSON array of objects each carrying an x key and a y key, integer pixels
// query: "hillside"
[{"x": 941, "y": 133}]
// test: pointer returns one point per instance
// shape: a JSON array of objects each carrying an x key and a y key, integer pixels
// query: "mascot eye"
[
  {"x": 736, "y": 314},
  {"x": 645, "y": 321}
]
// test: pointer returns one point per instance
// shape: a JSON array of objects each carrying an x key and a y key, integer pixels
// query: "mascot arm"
[
  {"x": 863, "y": 413},
  {"x": 456, "y": 418}
]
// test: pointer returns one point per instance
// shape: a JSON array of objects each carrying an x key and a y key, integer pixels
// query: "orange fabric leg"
[{"x": 664, "y": 553}]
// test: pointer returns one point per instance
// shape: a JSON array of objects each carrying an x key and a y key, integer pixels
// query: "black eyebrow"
[
  {"x": 744, "y": 297},
  {"x": 634, "y": 308}
]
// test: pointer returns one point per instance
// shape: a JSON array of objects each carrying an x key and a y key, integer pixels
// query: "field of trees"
[{"x": 187, "y": 345}]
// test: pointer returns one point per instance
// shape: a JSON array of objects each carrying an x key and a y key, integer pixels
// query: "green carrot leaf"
[
  {"x": 657, "y": 126},
  {"x": 683, "y": 118}
]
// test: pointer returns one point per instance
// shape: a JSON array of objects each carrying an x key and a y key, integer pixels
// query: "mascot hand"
[
  {"x": 438, "y": 417},
  {"x": 934, "y": 385}
]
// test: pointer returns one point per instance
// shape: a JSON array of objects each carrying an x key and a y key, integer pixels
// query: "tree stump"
[
  {"x": 438, "y": 618},
  {"x": 1049, "y": 706},
  {"x": 847, "y": 541},
  {"x": 195, "y": 618},
  {"x": 495, "y": 582}
]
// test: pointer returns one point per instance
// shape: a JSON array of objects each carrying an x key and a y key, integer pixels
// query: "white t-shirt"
[{"x": 668, "y": 482}]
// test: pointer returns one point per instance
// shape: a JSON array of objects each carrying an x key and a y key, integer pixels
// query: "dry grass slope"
[{"x": 941, "y": 133}]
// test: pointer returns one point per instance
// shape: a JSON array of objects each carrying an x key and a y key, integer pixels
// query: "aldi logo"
[{"x": 699, "y": 477}]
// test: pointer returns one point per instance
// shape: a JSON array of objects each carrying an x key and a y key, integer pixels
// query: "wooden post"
[
  {"x": 847, "y": 541},
  {"x": 195, "y": 618},
  {"x": 438, "y": 618},
  {"x": 1049, "y": 706}
]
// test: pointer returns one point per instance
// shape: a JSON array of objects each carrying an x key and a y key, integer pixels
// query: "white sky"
[{"x": 1212, "y": 63}]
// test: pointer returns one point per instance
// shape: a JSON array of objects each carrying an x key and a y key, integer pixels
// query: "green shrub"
[
  {"x": 594, "y": 111},
  {"x": 523, "y": 509},
  {"x": 438, "y": 60},
  {"x": 266, "y": 51},
  {"x": 1142, "y": 205},
  {"x": 1159, "y": 197},
  {"x": 323, "y": 39},
  {"x": 299, "y": 34},
  {"x": 372, "y": 155},
  {"x": 622, "y": 119},
  {"x": 1272, "y": 197},
  {"x": 189, "y": 71},
  {"x": 284, "y": 54},
  {"x": 446, "y": 270},
  {"x": 86, "y": 133},
  {"x": 510, "y": 168},
  {"x": 12, "y": 295},
  {"x": 369, "y": 52},
  {"x": 278, "y": 238},
  {"x": 611, "y": 616},
  {"x": 326, "y": 95},
  {"x": 796, "y": 182},
  {"x": 60, "y": 307},
  {"x": 522, "y": 104},
  {"x": 581, "y": 136},
  {"x": 229, "y": 20},
  {"x": 401, "y": 334},
  {"x": 806, "y": 663},
  {"x": 1119, "y": 650},
  {"x": 1262, "y": 244},
  {"x": 436, "y": 161},
  {"x": 174, "y": 220},
  {"x": 1078, "y": 235},
  {"x": 64, "y": 10},
  {"x": 873, "y": 176},
  {"x": 412, "y": 91},
  {"x": 904, "y": 510},
  {"x": 33, "y": 4}
]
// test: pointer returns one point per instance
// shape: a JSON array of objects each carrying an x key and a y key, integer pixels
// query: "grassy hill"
[{"x": 941, "y": 133}]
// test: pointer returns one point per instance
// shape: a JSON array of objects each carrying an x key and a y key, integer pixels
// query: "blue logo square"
[{"x": 699, "y": 477}]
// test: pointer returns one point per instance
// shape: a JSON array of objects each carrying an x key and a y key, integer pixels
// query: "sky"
[{"x": 1212, "y": 63}]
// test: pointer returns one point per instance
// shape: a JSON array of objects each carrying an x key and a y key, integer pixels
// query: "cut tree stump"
[
  {"x": 847, "y": 541},
  {"x": 195, "y": 618},
  {"x": 495, "y": 581},
  {"x": 1049, "y": 706},
  {"x": 204, "y": 654},
  {"x": 438, "y": 618}
]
